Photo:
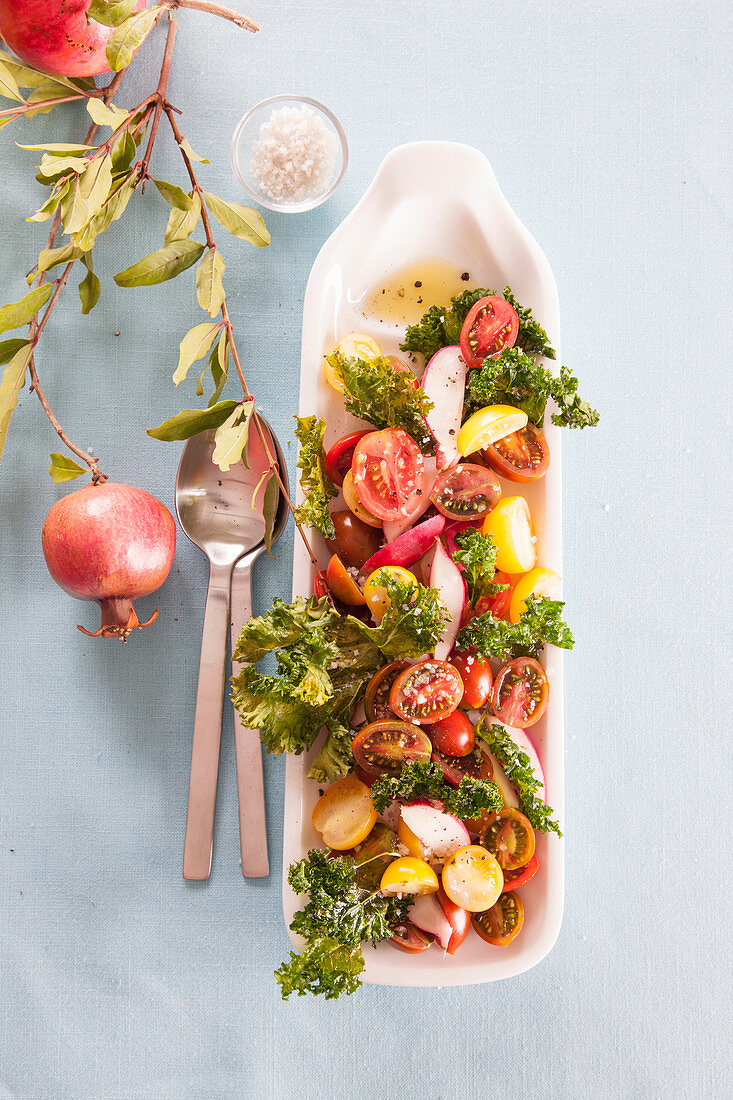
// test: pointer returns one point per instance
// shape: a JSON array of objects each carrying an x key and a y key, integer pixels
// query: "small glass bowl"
[{"x": 247, "y": 133}]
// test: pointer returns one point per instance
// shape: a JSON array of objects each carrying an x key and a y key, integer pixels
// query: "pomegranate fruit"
[
  {"x": 54, "y": 36},
  {"x": 111, "y": 543}
]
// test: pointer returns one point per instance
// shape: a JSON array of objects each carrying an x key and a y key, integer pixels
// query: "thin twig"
[
  {"x": 216, "y": 9},
  {"x": 159, "y": 96}
]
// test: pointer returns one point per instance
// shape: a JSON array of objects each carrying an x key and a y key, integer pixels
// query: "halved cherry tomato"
[
  {"x": 454, "y": 735},
  {"x": 466, "y": 491},
  {"x": 459, "y": 919},
  {"x": 381, "y": 748},
  {"x": 409, "y": 938},
  {"x": 499, "y": 604},
  {"x": 510, "y": 526},
  {"x": 510, "y": 837},
  {"x": 426, "y": 692},
  {"x": 521, "y": 693},
  {"x": 356, "y": 344},
  {"x": 319, "y": 588},
  {"x": 538, "y": 582},
  {"x": 376, "y": 699},
  {"x": 503, "y": 922},
  {"x": 472, "y": 878},
  {"x": 475, "y": 764},
  {"x": 477, "y": 679},
  {"x": 490, "y": 327},
  {"x": 389, "y": 473},
  {"x": 521, "y": 456},
  {"x": 344, "y": 815},
  {"x": 342, "y": 584},
  {"x": 375, "y": 590},
  {"x": 514, "y": 879},
  {"x": 487, "y": 425},
  {"x": 339, "y": 457},
  {"x": 374, "y": 854},
  {"x": 352, "y": 502},
  {"x": 408, "y": 875},
  {"x": 355, "y": 541}
]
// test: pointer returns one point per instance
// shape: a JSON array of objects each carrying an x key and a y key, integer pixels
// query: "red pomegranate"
[
  {"x": 111, "y": 543},
  {"x": 54, "y": 36}
]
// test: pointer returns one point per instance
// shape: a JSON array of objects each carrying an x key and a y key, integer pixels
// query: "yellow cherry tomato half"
[
  {"x": 408, "y": 875},
  {"x": 406, "y": 836},
  {"x": 510, "y": 526},
  {"x": 487, "y": 425},
  {"x": 344, "y": 815},
  {"x": 342, "y": 584},
  {"x": 354, "y": 505},
  {"x": 538, "y": 582},
  {"x": 472, "y": 878},
  {"x": 356, "y": 344},
  {"x": 375, "y": 592}
]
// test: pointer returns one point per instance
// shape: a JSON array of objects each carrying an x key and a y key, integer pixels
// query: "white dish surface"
[{"x": 435, "y": 200}]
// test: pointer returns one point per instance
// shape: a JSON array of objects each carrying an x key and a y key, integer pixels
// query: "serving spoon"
[{"x": 215, "y": 511}]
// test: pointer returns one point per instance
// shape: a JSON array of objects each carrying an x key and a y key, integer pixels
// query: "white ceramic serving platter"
[{"x": 434, "y": 200}]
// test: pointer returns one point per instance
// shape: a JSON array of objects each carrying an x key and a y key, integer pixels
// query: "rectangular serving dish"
[{"x": 434, "y": 200}]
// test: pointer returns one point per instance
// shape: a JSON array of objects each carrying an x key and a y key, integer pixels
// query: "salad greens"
[
  {"x": 317, "y": 487},
  {"x": 477, "y": 554},
  {"x": 514, "y": 378},
  {"x": 518, "y": 770},
  {"x": 541, "y": 624},
  {"x": 420, "y": 779}
]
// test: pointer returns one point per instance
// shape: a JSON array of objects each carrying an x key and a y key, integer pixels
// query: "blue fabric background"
[{"x": 605, "y": 125}]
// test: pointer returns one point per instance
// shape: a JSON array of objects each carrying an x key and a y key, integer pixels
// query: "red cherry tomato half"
[
  {"x": 409, "y": 938},
  {"x": 339, "y": 457},
  {"x": 426, "y": 692},
  {"x": 477, "y": 679},
  {"x": 476, "y": 765},
  {"x": 355, "y": 541},
  {"x": 454, "y": 735},
  {"x": 497, "y": 605},
  {"x": 502, "y": 923},
  {"x": 490, "y": 327},
  {"x": 466, "y": 491},
  {"x": 459, "y": 920},
  {"x": 319, "y": 588},
  {"x": 389, "y": 473},
  {"x": 514, "y": 879},
  {"x": 521, "y": 693},
  {"x": 521, "y": 456},
  {"x": 376, "y": 699},
  {"x": 381, "y": 748}
]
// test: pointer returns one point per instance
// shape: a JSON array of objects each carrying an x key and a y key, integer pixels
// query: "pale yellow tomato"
[
  {"x": 538, "y": 582},
  {"x": 510, "y": 526},
  {"x": 353, "y": 503},
  {"x": 344, "y": 815},
  {"x": 408, "y": 875},
  {"x": 356, "y": 344},
  {"x": 473, "y": 879},
  {"x": 375, "y": 592},
  {"x": 487, "y": 425}
]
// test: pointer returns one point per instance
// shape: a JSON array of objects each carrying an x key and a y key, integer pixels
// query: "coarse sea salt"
[{"x": 294, "y": 156}]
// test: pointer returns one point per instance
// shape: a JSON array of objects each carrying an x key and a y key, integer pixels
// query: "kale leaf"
[
  {"x": 420, "y": 779},
  {"x": 518, "y": 770},
  {"x": 377, "y": 392},
  {"x": 514, "y": 378},
  {"x": 315, "y": 483},
  {"x": 412, "y": 624},
  {"x": 541, "y": 624},
  {"x": 476, "y": 553}
]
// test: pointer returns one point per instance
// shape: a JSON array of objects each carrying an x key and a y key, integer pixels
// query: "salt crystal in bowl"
[{"x": 289, "y": 153}]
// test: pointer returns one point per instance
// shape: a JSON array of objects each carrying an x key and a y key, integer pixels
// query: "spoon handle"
[
  {"x": 207, "y": 728},
  {"x": 250, "y": 785}
]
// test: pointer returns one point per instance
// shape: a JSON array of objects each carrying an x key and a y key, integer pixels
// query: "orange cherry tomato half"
[
  {"x": 514, "y": 879},
  {"x": 510, "y": 837},
  {"x": 453, "y": 735},
  {"x": 342, "y": 584},
  {"x": 339, "y": 457},
  {"x": 477, "y": 677},
  {"x": 466, "y": 492},
  {"x": 426, "y": 692},
  {"x": 521, "y": 456},
  {"x": 381, "y": 748},
  {"x": 389, "y": 474},
  {"x": 502, "y": 923},
  {"x": 376, "y": 699},
  {"x": 490, "y": 327},
  {"x": 521, "y": 693}
]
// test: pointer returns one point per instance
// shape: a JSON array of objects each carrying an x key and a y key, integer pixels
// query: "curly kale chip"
[{"x": 314, "y": 481}]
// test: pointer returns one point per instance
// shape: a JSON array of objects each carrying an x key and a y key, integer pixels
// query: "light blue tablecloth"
[{"x": 606, "y": 127}]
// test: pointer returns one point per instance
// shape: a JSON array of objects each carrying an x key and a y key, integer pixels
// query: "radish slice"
[
  {"x": 439, "y": 834},
  {"x": 446, "y": 577},
  {"x": 523, "y": 742},
  {"x": 426, "y": 913},
  {"x": 444, "y": 381},
  {"x": 393, "y": 529},
  {"x": 408, "y": 547}
]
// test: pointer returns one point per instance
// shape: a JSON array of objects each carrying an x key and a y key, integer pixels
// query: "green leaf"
[
  {"x": 315, "y": 483},
  {"x": 53, "y": 168},
  {"x": 128, "y": 36},
  {"x": 20, "y": 313},
  {"x": 8, "y": 348},
  {"x": 269, "y": 510},
  {"x": 166, "y": 263},
  {"x": 58, "y": 149},
  {"x": 28, "y": 77},
  {"x": 174, "y": 195},
  {"x": 8, "y": 85},
  {"x": 48, "y": 209},
  {"x": 241, "y": 221},
  {"x": 194, "y": 345},
  {"x": 110, "y": 12},
  {"x": 123, "y": 151},
  {"x": 91, "y": 191},
  {"x": 63, "y": 468},
  {"x": 191, "y": 154},
  {"x": 52, "y": 257},
  {"x": 44, "y": 94},
  {"x": 231, "y": 437},
  {"x": 90, "y": 287},
  {"x": 190, "y": 422},
  {"x": 106, "y": 114},
  {"x": 12, "y": 383},
  {"x": 219, "y": 366},
  {"x": 209, "y": 289},
  {"x": 181, "y": 223}
]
